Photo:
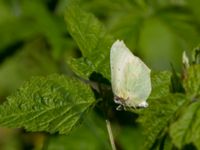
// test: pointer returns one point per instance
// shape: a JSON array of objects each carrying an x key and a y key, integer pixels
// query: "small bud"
[{"x": 185, "y": 60}]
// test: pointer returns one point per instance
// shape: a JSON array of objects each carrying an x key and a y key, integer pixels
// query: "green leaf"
[
  {"x": 156, "y": 117},
  {"x": 160, "y": 84},
  {"x": 159, "y": 96},
  {"x": 53, "y": 104},
  {"x": 192, "y": 82},
  {"x": 82, "y": 66},
  {"x": 186, "y": 129},
  {"x": 162, "y": 107},
  {"x": 92, "y": 40},
  {"x": 176, "y": 83}
]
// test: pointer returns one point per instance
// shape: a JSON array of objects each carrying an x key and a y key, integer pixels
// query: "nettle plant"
[{"x": 59, "y": 103}]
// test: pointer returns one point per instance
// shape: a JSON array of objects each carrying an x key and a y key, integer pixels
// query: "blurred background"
[{"x": 34, "y": 41}]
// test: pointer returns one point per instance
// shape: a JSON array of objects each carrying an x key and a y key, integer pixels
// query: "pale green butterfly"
[{"x": 130, "y": 78}]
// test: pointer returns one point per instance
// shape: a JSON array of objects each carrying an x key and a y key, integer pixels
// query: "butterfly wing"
[
  {"x": 137, "y": 81},
  {"x": 117, "y": 60},
  {"x": 130, "y": 76}
]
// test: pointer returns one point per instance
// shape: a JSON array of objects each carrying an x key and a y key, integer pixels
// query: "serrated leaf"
[
  {"x": 92, "y": 40},
  {"x": 81, "y": 66},
  {"x": 162, "y": 105},
  {"x": 160, "y": 84},
  {"x": 186, "y": 129},
  {"x": 192, "y": 82},
  {"x": 53, "y": 104},
  {"x": 157, "y": 116}
]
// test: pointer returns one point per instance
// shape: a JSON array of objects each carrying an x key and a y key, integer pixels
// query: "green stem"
[{"x": 112, "y": 142}]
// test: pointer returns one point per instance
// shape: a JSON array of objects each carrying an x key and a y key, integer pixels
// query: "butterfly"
[{"x": 130, "y": 78}]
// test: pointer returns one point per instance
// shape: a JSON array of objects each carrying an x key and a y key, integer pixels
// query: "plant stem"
[{"x": 112, "y": 142}]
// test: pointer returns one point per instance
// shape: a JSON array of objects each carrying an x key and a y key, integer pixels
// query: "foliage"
[
  {"x": 57, "y": 107},
  {"x": 92, "y": 40},
  {"x": 38, "y": 43}
]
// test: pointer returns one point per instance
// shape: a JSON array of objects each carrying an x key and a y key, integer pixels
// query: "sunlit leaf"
[
  {"x": 186, "y": 129},
  {"x": 92, "y": 40},
  {"x": 52, "y": 104}
]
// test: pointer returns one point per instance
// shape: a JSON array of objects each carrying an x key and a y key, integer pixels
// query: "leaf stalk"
[{"x": 112, "y": 141}]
